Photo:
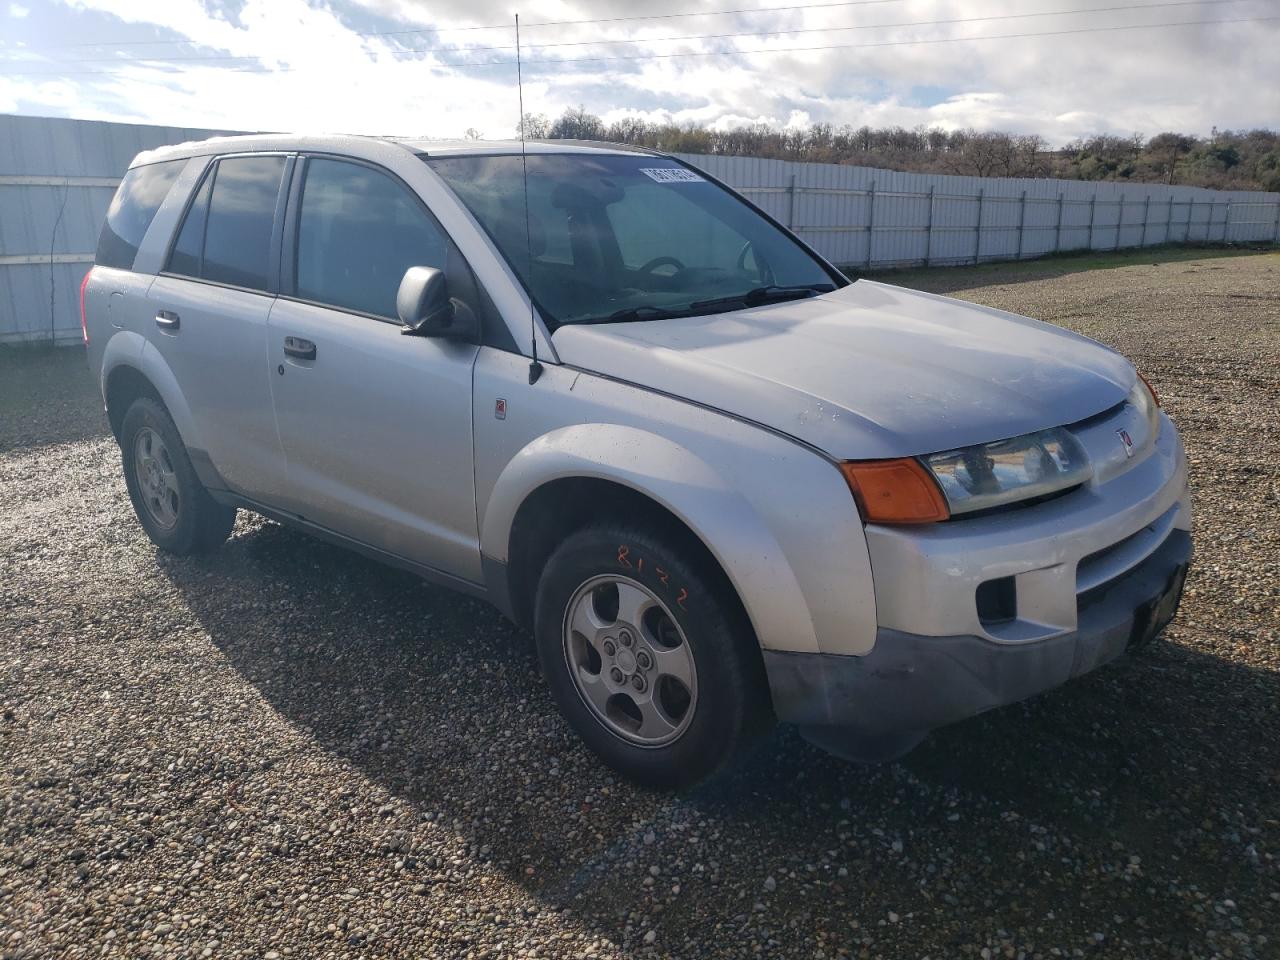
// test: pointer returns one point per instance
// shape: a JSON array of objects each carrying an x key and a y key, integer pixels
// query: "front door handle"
[
  {"x": 298, "y": 348},
  {"x": 167, "y": 320}
]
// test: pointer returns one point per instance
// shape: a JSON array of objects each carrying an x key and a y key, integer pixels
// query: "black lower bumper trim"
[{"x": 915, "y": 683}]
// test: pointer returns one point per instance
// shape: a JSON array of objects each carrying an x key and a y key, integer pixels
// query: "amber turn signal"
[
  {"x": 1154, "y": 396},
  {"x": 895, "y": 491}
]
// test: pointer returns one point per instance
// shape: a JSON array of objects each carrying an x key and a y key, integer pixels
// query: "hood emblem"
[{"x": 1127, "y": 441}]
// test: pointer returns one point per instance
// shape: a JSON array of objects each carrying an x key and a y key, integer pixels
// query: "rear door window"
[
  {"x": 358, "y": 232},
  {"x": 132, "y": 209},
  {"x": 237, "y": 234}
]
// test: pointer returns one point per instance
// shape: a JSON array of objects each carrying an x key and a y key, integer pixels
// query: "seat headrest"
[
  {"x": 510, "y": 226},
  {"x": 588, "y": 192}
]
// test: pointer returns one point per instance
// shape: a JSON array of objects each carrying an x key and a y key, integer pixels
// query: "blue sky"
[{"x": 440, "y": 68}]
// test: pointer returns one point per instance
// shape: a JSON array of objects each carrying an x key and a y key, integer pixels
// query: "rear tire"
[
  {"x": 649, "y": 654},
  {"x": 172, "y": 505}
]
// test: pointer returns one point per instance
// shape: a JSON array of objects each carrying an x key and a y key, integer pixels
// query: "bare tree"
[
  {"x": 1164, "y": 150},
  {"x": 1248, "y": 160},
  {"x": 536, "y": 126},
  {"x": 629, "y": 130},
  {"x": 577, "y": 125}
]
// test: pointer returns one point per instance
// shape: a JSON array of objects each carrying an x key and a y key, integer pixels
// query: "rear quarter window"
[
  {"x": 132, "y": 209},
  {"x": 187, "y": 250}
]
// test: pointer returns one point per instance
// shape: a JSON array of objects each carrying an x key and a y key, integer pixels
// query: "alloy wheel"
[
  {"x": 157, "y": 480},
  {"x": 630, "y": 660}
]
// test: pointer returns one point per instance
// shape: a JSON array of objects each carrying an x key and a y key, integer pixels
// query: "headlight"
[
  {"x": 993, "y": 474},
  {"x": 1143, "y": 399}
]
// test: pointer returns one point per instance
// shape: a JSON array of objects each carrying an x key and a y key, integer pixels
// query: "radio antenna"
[{"x": 535, "y": 368}]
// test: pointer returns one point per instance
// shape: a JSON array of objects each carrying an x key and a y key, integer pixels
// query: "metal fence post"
[
  {"x": 977, "y": 242},
  {"x": 1146, "y": 216},
  {"x": 1057, "y": 230},
  {"x": 1277, "y": 236},
  {"x": 1226, "y": 225},
  {"x": 871, "y": 221},
  {"x": 1119, "y": 223},
  {"x": 1191, "y": 212},
  {"x": 928, "y": 230},
  {"x": 1093, "y": 205},
  {"x": 1022, "y": 221},
  {"x": 1168, "y": 221},
  {"x": 791, "y": 203}
]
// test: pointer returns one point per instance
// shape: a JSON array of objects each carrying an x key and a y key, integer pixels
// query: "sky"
[{"x": 1059, "y": 68}]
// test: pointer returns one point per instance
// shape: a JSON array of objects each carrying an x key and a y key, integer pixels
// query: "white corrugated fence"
[
  {"x": 57, "y": 177},
  {"x": 864, "y": 218}
]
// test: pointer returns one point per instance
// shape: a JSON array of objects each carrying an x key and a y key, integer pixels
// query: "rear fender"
[{"x": 130, "y": 349}]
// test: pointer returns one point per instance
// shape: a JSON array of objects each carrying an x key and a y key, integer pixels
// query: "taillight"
[{"x": 84, "y": 321}]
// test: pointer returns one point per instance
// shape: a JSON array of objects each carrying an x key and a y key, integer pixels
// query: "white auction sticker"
[{"x": 671, "y": 175}]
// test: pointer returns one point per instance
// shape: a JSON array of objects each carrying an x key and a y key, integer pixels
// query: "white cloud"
[
  {"x": 18, "y": 11},
  {"x": 799, "y": 120},
  {"x": 731, "y": 121},
  {"x": 325, "y": 72}
]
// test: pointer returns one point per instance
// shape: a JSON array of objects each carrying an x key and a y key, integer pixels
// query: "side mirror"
[{"x": 426, "y": 310}]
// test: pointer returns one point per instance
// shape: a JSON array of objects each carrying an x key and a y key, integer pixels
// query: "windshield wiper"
[
  {"x": 752, "y": 298},
  {"x": 761, "y": 295},
  {"x": 645, "y": 311}
]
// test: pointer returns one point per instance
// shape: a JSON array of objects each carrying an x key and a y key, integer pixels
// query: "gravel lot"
[{"x": 285, "y": 750}]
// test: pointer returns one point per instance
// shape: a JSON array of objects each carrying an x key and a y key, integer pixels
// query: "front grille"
[
  {"x": 1102, "y": 567},
  {"x": 1098, "y": 556},
  {"x": 1104, "y": 415}
]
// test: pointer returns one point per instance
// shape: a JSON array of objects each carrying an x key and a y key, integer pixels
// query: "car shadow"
[{"x": 436, "y": 698}]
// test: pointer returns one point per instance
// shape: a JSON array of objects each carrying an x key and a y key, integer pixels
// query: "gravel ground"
[{"x": 285, "y": 750}]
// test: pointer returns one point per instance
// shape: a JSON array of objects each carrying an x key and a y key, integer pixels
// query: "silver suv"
[{"x": 716, "y": 480}]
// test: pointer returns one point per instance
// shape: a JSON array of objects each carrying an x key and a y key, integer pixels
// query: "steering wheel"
[
  {"x": 657, "y": 262},
  {"x": 766, "y": 274}
]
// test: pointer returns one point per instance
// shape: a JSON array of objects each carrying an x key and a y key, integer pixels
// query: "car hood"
[{"x": 867, "y": 371}]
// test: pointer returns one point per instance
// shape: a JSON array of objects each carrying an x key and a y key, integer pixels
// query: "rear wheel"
[
  {"x": 172, "y": 505},
  {"x": 648, "y": 654}
]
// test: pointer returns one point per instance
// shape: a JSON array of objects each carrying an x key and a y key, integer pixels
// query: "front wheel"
[{"x": 648, "y": 654}]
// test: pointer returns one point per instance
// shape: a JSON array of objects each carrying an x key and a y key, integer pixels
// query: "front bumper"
[{"x": 909, "y": 684}]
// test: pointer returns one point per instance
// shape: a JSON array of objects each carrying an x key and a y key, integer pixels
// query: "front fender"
[
  {"x": 687, "y": 486},
  {"x": 126, "y": 348}
]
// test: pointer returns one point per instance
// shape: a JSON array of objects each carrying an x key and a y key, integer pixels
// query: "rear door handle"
[
  {"x": 299, "y": 348},
  {"x": 167, "y": 320}
]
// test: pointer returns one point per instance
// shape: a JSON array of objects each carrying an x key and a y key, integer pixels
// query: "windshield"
[{"x": 629, "y": 237}]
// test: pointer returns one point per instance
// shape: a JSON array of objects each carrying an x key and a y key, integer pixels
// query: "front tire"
[
  {"x": 172, "y": 505},
  {"x": 649, "y": 654}
]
